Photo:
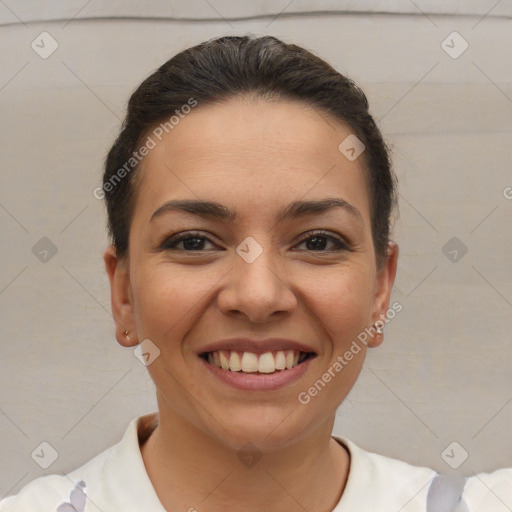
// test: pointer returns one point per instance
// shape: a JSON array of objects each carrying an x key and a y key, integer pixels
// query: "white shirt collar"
[
  {"x": 118, "y": 477},
  {"x": 373, "y": 480},
  {"x": 376, "y": 482}
]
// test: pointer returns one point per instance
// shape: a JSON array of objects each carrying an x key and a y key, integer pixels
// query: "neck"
[{"x": 193, "y": 471}]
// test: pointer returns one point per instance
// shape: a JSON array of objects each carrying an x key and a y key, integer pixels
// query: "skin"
[{"x": 255, "y": 157}]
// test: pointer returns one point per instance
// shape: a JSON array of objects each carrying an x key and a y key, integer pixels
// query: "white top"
[
  {"x": 489, "y": 492},
  {"x": 116, "y": 481}
]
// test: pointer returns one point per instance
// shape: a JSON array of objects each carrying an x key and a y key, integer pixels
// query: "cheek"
[
  {"x": 342, "y": 298},
  {"x": 166, "y": 299},
  {"x": 169, "y": 299}
]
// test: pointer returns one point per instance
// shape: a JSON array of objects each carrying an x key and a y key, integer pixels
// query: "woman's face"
[{"x": 258, "y": 275}]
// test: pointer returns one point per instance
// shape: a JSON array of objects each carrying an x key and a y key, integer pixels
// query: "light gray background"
[{"x": 443, "y": 372}]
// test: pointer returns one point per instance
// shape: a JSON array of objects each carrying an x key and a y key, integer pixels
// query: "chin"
[{"x": 267, "y": 427}]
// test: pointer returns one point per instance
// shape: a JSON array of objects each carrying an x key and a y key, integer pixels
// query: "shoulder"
[
  {"x": 391, "y": 472},
  {"x": 394, "y": 484},
  {"x": 491, "y": 492},
  {"x": 40, "y": 494},
  {"x": 52, "y": 492},
  {"x": 90, "y": 487}
]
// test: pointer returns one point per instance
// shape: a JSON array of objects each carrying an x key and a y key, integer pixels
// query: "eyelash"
[{"x": 171, "y": 242}]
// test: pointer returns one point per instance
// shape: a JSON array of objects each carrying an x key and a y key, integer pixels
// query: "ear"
[
  {"x": 382, "y": 291},
  {"x": 121, "y": 297}
]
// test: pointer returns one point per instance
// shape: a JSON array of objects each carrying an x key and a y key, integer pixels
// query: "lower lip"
[{"x": 259, "y": 381}]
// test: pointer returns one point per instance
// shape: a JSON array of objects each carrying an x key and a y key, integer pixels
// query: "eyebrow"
[{"x": 216, "y": 211}]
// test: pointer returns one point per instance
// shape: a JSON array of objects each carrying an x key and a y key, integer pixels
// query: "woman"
[{"x": 249, "y": 198}]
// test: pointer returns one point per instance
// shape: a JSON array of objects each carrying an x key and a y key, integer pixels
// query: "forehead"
[{"x": 247, "y": 152}]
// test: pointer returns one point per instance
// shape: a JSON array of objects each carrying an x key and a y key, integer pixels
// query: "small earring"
[
  {"x": 378, "y": 330},
  {"x": 126, "y": 334}
]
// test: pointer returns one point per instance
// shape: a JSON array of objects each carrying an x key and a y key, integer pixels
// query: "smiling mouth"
[{"x": 250, "y": 362}]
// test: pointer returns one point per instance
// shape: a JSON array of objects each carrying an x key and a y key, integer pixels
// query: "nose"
[{"x": 257, "y": 288}]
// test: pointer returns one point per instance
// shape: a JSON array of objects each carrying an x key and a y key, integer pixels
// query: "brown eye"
[
  {"x": 195, "y": 242},
  {"x": 192, "y": 242},
  {"x": 318, "y": 240}
]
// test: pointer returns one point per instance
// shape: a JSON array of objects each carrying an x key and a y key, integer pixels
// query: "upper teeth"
[{"x": 250, "y": 362}]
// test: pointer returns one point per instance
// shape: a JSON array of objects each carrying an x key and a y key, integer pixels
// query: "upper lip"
[{"x": 256, "y": 346}]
